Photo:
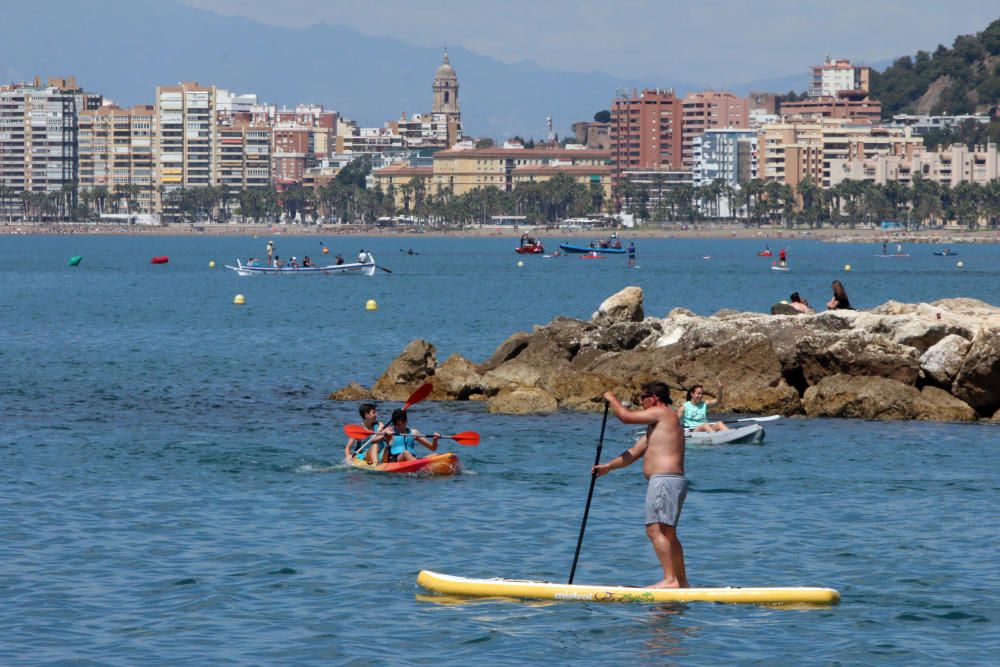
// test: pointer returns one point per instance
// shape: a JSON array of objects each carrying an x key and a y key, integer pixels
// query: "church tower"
[{"x": 446, "y": 99}]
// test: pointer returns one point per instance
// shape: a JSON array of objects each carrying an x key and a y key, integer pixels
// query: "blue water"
[{"x": 172, "y": 489}]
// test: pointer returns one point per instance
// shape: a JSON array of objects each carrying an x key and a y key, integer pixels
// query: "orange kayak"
[{"x": 435, "y": 464}]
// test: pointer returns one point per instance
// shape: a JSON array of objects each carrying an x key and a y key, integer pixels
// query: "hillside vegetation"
[{"x": 962, "y": 79}]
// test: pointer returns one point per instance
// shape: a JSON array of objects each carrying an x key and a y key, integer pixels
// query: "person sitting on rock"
[
  {"x": 799, "y": 304},
  {"x": 694, "y": 412},
  {"x": 839, "y": 300}
]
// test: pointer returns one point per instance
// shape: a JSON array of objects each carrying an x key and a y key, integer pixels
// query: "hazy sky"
[{"x": 714, "y": 42}]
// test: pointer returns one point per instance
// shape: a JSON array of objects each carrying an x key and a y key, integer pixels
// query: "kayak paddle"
[
  {"x": 769, "y": 418},
  {"x": 470, "y": 438},
  {"x": 420, "y": 394}
]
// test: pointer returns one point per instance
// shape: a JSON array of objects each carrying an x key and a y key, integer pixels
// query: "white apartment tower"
[{"x": 185, "y": 138}]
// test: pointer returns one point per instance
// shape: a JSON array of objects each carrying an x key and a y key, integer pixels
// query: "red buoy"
[{"x": 159, "y": 259}]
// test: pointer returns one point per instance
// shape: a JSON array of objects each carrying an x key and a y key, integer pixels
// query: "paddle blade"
[
  {"x": 420, "y": 394},
  {"x": 470, "y": 438},
  {"x": 357, "y": 432}
]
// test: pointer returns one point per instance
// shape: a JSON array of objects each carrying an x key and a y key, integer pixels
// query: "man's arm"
[
  {"x": 627, "y": 416},
  {"x": 626, "y": 458}
]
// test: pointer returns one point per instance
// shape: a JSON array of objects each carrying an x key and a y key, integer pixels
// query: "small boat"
[
  {"x": 356, "y": 268},
  {"x": 945, "y": 253},
  {"x": 159, "y": 259},
  {"x": 435, "y": 464},
  {"x": 569, "y": 247},
  {"x": 898, "y": 254},
  {"x": 543, "y": 590},
  {"x": 765, "y": 253},
  {"x": 592, "y": 255},
  {"x": 742, "y": 435},
  {"x": 530, "y": 249}
]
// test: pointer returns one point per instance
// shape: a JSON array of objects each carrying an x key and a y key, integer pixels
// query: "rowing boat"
[
  {"x": 569, "y": 247},
  {"x": 435, "y": 464},
  {"x": 356, "y": 268},
  {"x": 540, "y": 590},
  {"x": 750, "y": 434}
]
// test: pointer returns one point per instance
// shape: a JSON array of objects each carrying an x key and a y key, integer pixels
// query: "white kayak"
[{"x": 741, "y": 435}]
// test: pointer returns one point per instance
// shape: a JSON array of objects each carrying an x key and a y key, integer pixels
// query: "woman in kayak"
[
  {"x": 367, "y": 450},
  {"x": 402, "y": 445},
  {"x": 839, "y": 300},
  {"x": 694, "y": 413}
]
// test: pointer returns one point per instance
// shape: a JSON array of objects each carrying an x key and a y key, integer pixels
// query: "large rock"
[
  {"x": 414, "y": 366},
  {"x": 625, "y": 306},
  {"x": 863, "y": 397},
  {"x": 938, "y": 405},
  {"x": 522, "y": 401},
  {"x": 943, "y": 360},
  {"x": 457, "y": 379},
  {"x": 978, "y": 380},
  {"x": 856, "y": 353},
  {"x": 352, "y": 392}
]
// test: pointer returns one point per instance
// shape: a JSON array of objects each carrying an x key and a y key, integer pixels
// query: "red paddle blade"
[
  {"x": 470, "y": 438},
  {"x": 420, "y": 394},
  {"x": 357, "y": 432}
]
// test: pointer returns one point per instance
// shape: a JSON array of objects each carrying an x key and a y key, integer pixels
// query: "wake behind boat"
[{"x": 355, "y": 268}]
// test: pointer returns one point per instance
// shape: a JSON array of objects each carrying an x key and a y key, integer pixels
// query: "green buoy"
[{"x": 75, "y": 260}]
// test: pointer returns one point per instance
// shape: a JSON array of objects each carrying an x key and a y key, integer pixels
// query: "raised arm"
[
  {"x": 627, "y": 416},
  {"x": 718, "y": 397}
]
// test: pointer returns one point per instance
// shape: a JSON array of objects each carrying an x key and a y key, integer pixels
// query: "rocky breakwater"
[{"x": 931, "y": 361}]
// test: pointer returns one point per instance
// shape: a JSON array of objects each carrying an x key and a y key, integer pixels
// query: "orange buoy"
[{"x": 159, "y": 259}]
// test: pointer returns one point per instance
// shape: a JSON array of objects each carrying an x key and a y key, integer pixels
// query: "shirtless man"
[{"x": 663, "y": 447}]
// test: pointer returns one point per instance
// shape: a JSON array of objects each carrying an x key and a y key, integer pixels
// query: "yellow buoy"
[
  {"x": 520, "y": 263},
  {"x": 238, "y": 300},
  {"x": 847, "y": 267},
  {"x": 960, "y": 264},
  {"x": 211, "y": 264},
  {"x": 371, "y": 305}
]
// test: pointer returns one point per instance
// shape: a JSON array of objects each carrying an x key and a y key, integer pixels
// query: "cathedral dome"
[{"x": 445, "y": 71}]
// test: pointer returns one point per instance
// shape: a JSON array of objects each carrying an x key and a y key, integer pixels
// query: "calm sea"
[{"x": 172, "y": 489}]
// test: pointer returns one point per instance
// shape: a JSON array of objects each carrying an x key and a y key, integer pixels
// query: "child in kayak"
[
  {"x": 694, "y": 413},
  {"x": 402, "y": 445},
  {"x": 369, "y": 449}
]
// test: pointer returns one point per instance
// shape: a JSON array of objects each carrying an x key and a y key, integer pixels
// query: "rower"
[{"x": 403, "y": 439}]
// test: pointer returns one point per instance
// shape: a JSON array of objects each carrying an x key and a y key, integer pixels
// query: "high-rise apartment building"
[
  {"x": 243, "y": 153},
  {"x": 116, "y": 153},
  {"x": 707, "y": 110},
  {"x": 646, "y": 132},
  {"x": 38, "y": 136},
  {"x": 185, "y": 146},
  {"x": 836, "y": 76},
  {"x": 727, "y": 155},
  {"x": 789, "y": 152}
]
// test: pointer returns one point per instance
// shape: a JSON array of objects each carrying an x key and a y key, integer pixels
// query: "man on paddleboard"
[{"x": 663, "y": 449}]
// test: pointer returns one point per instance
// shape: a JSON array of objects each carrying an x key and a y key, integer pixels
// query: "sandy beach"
[{"x": 718, "y": 231}]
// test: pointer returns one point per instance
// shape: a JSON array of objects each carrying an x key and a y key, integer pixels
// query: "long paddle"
[
  {"x": 382, "y": 268},
  {"x": 769, "y": 418},
  {"x": 590, "y": 494},
  {"x": 419, "y": 394},
  {"x": 470, "y": 438}
]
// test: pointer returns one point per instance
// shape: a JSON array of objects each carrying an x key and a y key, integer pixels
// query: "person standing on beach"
[{"x": 663, "y": 449}]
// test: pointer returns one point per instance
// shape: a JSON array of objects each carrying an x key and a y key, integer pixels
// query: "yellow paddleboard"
[{"x": 539, "y": 590}]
